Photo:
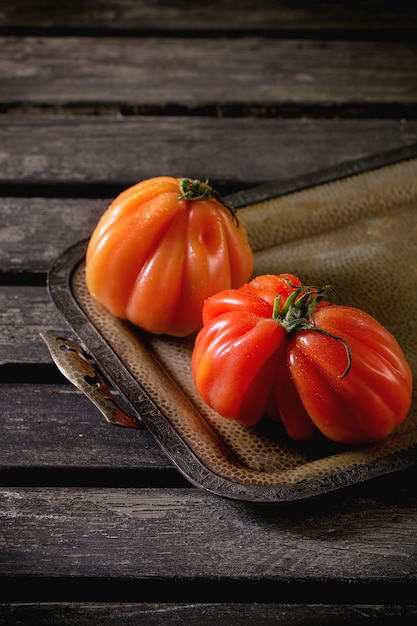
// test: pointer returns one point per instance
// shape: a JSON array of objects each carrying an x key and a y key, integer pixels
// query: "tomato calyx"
[
  {"x": 192, "y": 190},
  {"x": 297, "y": 314}
]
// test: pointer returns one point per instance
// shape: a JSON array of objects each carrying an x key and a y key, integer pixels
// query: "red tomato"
[
  {"x": 307, "y": 363},
  {"x": 257, "y": 296},
  {"x": 161, "y": 248}
]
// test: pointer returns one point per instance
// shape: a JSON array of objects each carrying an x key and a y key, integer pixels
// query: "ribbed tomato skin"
[
  {"x": 373, "y": 398},
  {"x": 154, "y": 257},
  {"x": 344, "y": 375}
]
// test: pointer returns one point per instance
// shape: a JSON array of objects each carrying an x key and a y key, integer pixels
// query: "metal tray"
[{"x": 354, "y": 226}]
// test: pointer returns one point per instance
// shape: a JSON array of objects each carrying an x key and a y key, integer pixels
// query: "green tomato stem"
[
  {"x": 192, "y": 190},
  {"x": 297, "y": 315}
]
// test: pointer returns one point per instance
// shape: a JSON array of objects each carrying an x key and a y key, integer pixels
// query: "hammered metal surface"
[{"x": 359, "y": 234}]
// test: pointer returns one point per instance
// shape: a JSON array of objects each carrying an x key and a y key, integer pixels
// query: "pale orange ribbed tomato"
[{"x": 161, "y": 248}]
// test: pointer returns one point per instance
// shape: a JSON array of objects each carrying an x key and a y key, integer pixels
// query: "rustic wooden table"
[{"x": 97, "y": 525}]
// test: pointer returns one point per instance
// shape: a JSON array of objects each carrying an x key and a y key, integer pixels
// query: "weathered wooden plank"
[
  {"x": 207, "y": 614},
  {"x": 224, "y": 15},
  {"x": 202, "y": 545},
  {"x": 56, "y": 427},
  {"x": 201, "y": 72},
  {"x": 35, "y": 231},
  {"x": 24, "y": 313},
  {"x": 54, "y": 151}
]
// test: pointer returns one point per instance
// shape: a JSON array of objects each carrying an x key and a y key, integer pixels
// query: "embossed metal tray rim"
[{"x": 141, "y": 404}]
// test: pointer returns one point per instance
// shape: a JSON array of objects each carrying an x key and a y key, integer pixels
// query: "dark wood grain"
[
  {"x": 155, "y": 535},
  {"x": 208, "y": 613},
  {"x": 24, "y": 313},
  {"x": 205, "y": 72},
  {"x": 54, "y": 426},
  {"x": 27, "y": 224},
  {"x": 378, "y": 16},
  {"x": 114, "y": 153}
]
